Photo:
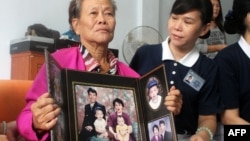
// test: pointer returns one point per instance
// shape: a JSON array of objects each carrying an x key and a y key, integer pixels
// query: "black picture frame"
[
  {"x": 69, "y": 89},
  {"x": 118, "y": 87}
]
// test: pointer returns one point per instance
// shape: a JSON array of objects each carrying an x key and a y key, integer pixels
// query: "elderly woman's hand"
[
  {"x": 173, "y": 101},
  {"x": 45, "y": 113}
]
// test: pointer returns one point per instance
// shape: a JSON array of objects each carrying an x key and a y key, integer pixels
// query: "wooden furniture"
[
  {"x": 12, "y": 98},
  {"x": 25, "y": 65}
]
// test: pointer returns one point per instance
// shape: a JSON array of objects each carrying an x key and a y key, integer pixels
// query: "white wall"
[
  {"x": 17, "y": 15},
  {"x": 165, "y": 7},
  {"x": 126, "y": 19}
]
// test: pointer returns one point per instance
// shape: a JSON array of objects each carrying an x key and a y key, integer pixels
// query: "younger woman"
[
  {"x": 234, "y": 64},
  {"x": 188, "y": 20},
  {"x": 217, "y": 38}
]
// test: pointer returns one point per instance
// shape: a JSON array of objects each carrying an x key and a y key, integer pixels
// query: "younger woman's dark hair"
[
  {"x": 219, "y": 20},
  {"x": 235, "y": 19},
  {"x": 204, "y": 6}
]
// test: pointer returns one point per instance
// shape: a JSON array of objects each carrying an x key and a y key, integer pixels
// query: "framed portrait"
[
  {"x": 105, "y": 107},
  {"x": 108, "y": 89},
  {"x": 161, "y": 128},
  {"x": 154, "y": 88}
]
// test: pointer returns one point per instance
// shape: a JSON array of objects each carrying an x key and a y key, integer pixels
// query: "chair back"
[{"x": 12, "y": 98}]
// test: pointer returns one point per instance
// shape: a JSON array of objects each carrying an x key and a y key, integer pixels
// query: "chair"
[{"x": 12, "y": 98}]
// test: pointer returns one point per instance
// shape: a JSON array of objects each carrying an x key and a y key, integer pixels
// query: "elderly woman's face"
[{"x": 97, "y": 22}]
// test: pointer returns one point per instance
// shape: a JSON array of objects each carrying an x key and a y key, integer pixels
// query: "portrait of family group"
[{"x": 106, "y": 113}]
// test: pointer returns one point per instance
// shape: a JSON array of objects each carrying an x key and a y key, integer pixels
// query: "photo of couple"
[{"x": 160, "y": 130}]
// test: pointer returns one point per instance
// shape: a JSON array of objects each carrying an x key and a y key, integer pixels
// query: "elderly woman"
[{"x": 94, "y": 22}]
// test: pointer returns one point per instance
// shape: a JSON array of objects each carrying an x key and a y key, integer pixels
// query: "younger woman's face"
[
  {"x": 216, "y": 8},
  {"x": 184, "y": 29}
]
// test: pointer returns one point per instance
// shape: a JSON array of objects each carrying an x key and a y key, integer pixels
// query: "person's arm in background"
[
  {"x": 12, "y": 133},
  {"x": 8, "y": 131},
  {"x": 231, "y": 116},
  {"x": 206, "y": 128},
  {"x": 203, "y": 47},
  {"x": 3, "y": 131},
  {"x": 215, "y": 48}
]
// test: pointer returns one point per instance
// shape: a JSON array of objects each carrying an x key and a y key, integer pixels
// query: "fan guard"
[{"x": 138, "y": 37}]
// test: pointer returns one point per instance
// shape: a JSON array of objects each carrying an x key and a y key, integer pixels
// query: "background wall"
[{"x": 17, "y": 15}]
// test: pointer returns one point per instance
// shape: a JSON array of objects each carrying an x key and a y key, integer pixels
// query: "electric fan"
[{"x": 137, "y": 37}]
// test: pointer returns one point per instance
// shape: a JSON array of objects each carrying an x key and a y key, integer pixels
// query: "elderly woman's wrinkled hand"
[{"x": 45, "y": 113}]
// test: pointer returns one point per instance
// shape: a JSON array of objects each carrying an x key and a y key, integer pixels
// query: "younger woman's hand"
[{"x": 173, "y": 101}]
